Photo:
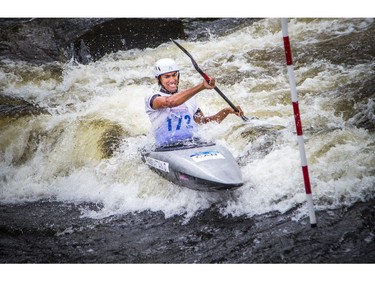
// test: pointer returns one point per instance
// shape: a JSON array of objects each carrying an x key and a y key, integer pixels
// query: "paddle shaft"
[{"x": 205, "y": 77}]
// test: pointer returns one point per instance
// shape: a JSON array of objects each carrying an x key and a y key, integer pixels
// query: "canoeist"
[{"x": 174, "y": 115}]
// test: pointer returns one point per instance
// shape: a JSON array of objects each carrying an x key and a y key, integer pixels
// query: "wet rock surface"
[
  {"x": 48, "y": 232},
  {"x": 44, "y": 40},
  {"x": 13, "y": 107}
]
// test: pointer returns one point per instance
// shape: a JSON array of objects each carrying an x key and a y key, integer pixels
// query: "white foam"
[{"x": 57, "y": 156}]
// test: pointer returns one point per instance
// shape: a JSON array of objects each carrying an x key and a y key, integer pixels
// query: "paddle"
[{"x": 205, "y": 76}]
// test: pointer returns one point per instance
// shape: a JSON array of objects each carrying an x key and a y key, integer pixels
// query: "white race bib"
[{"x": 178, "y": 125}]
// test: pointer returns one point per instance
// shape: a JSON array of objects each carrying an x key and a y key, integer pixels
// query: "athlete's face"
[{"x": 169, "y": 81}]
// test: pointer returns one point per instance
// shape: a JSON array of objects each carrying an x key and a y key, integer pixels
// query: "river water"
[{"x": 73, "y": 188}]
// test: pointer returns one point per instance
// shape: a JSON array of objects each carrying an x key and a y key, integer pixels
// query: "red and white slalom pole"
[{"x": 297, "y": 118}]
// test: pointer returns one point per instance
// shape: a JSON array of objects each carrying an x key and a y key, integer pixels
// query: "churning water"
[{"x": 83, "y": 147}]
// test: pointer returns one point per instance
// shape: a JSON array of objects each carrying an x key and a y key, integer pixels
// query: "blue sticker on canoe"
[{"x": 206, "y": 155}]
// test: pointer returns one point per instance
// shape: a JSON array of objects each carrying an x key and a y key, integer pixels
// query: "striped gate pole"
[{"x": 297, "y": 118}]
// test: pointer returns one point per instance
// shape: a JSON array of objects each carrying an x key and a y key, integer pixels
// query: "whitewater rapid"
[{"x": 86, "y": 148}]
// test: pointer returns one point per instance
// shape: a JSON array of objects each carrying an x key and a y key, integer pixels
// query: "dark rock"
[
  {"x": 126, "y": 34},
  {"x": 28, "y": 41},
  {"x": 59, "y": 39},
  {"x": 43, "y": 40},
  {"x": 11, "y": 107}
]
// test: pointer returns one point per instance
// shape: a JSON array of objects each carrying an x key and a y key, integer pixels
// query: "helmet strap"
[{"x": 165, "y": 91}]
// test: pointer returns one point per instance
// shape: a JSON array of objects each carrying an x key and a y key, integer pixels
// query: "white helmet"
[{"x": 164, "y": 66}]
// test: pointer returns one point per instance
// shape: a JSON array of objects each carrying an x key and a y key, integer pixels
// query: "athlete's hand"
[
  {"x": 232, "y": 111},
  {"x": 210, "y": 84}
]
